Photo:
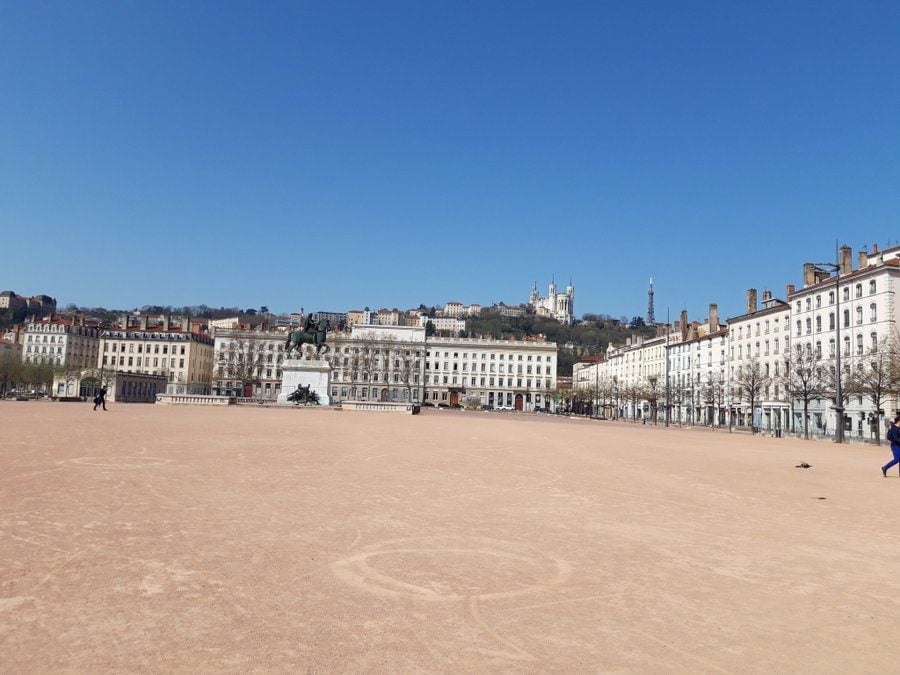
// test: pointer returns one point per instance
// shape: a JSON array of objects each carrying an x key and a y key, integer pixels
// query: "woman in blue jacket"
[{"x": 893, "y": 435}]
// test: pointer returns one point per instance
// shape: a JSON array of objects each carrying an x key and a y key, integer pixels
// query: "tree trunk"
[{"x": 806, "y": 420}]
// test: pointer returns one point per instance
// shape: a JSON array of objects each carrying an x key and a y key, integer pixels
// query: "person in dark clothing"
[
  {"x": 100, "y": 398},
  {"x": 893, "y": 436}
]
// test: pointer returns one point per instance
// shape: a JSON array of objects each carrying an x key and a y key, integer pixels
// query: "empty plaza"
[{"x": 153, "y": 538}]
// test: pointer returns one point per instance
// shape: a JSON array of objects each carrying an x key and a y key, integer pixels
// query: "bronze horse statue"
[{"x": 312, "y": 333}]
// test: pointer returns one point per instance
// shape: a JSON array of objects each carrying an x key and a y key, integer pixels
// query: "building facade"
[
  {"x": 183, "y": 356},
  {"x": 509, "y": 374},
  {"x": 247, "y": 362},
  {"x": 61, "y": 342},
  {"x": 855, "y": 311},
  {"x": 377, "y": 363},
  {"x": 759, "y": 342}
]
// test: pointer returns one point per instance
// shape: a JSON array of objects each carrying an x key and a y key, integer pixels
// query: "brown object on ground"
[{"x": 168, "y": 538}]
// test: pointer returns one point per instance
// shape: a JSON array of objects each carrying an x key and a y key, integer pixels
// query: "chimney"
[
  {"x": 789, "y": 290},
  {"x": 767, "y": 295},
  {"x": 809, "y": 274},
  {"x": 165, "y": 323},
  {"x": 684, "y": 324},
  {"x": 185, "y": 324},
  {"x": 863, "y": 260},
  {"x": 713, "y": 318},
  {"x": 751, "y": 301},
  {"x": 676, "y": 326},
  {"x": 846, "y": 260},
  {"x": 874, "y": 249},
  {"x": 123, "y": 321},
  {"x": 143, "y": 322}
]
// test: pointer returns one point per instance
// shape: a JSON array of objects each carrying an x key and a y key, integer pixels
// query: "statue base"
[{"x": 300, "y": 373}]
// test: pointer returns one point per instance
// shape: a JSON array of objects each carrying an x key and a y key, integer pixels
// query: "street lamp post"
[
  {"x": 838, "y": 393},
  {"x": 667, "y": 368}
]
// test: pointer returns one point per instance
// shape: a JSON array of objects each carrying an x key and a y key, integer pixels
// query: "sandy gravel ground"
[{"x": 163, "y": 538}]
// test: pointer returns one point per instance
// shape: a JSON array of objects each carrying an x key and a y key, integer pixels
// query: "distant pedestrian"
[
  {"x": 893, "y": 436},
  {"x": 100, "y": 398}
]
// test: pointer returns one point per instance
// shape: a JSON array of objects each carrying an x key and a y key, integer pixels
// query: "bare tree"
[
  {"x": 10, "y": 370},
  {"x": 804, "y": 379},
  {"x": 751, "y": 380},
  {"x": 634, "y": 394},
  {"x": 652, "y": 392},
  {"x": 409, "y": 371},
  {"x": 877, "y": 377},
  {"x": 67, "y": 374},
  {"x": 712, "y": 392},
  {"x": 361, "y": 366},
  {"x": 243, "y": 359}
]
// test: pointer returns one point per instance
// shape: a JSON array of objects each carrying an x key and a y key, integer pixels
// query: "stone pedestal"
[{"x": 297, "y": 372}]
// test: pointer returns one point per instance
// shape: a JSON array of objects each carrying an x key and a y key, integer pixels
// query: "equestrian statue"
[{"x": 313, "y": 333}]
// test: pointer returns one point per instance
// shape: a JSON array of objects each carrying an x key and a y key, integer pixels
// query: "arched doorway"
[
  {"x": 520, "y": 402},
  {"x": 454, "y": 398},
  {"x": 89, "y": 387}
]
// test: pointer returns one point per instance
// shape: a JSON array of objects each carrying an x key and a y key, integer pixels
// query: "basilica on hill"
[{"x": 558, "y": 306}]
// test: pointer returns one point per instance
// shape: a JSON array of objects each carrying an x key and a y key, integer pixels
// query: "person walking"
[
  {"x": 100, "y": 398},
  {"x": 893, "y": 436}
]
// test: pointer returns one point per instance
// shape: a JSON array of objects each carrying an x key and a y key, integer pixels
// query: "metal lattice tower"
[{"x": 651, "y": 319}]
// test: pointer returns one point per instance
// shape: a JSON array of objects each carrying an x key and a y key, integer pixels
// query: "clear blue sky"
[{"x": 332, "y": 155}]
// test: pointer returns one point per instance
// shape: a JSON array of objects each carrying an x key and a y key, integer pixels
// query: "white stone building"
[
  {"x": 862, "y": 305},
  {"x": 442, "y": 323},
  {"x": 183, "y": 356},
  {"x": 247, "y": 363},
  {"x": 513, "y": 374},
  {"x": 61, "y": 342},
  {"x": 377, "y": 363},
  {"x": 759, "y": 336}
]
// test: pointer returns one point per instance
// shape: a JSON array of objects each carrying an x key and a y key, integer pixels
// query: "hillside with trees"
[{"x": 589, "y": 336}]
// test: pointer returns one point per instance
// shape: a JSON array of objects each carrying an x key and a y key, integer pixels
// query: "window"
[
  {"x": 818, "y": 324},
  {"x": 846, "y": 318},
  {"x": 818, "y": 350},
  {"x": 858, "y": 290},
  {"x": 776, "y": 345},
  {"x": 859, "y": 344},
  {"x": 831, "y": 321},
  {"x": 873, "y": 312},
  {"x": 818, "y": 301},
  {"x": 831, "y": 297},
  {"x": 846, "y": 293},
  {"x": 872, "y": 287},
  {"x": 808, "y": 303},
  {"x": 808, "y": 326},
  {"x": 799, "y": 328}
]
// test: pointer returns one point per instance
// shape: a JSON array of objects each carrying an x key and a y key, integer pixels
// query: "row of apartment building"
[
  {"x": 707, "y": 371},
  {"x": 370, "y": 362},
  {"x": 397, "y": 363}
]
